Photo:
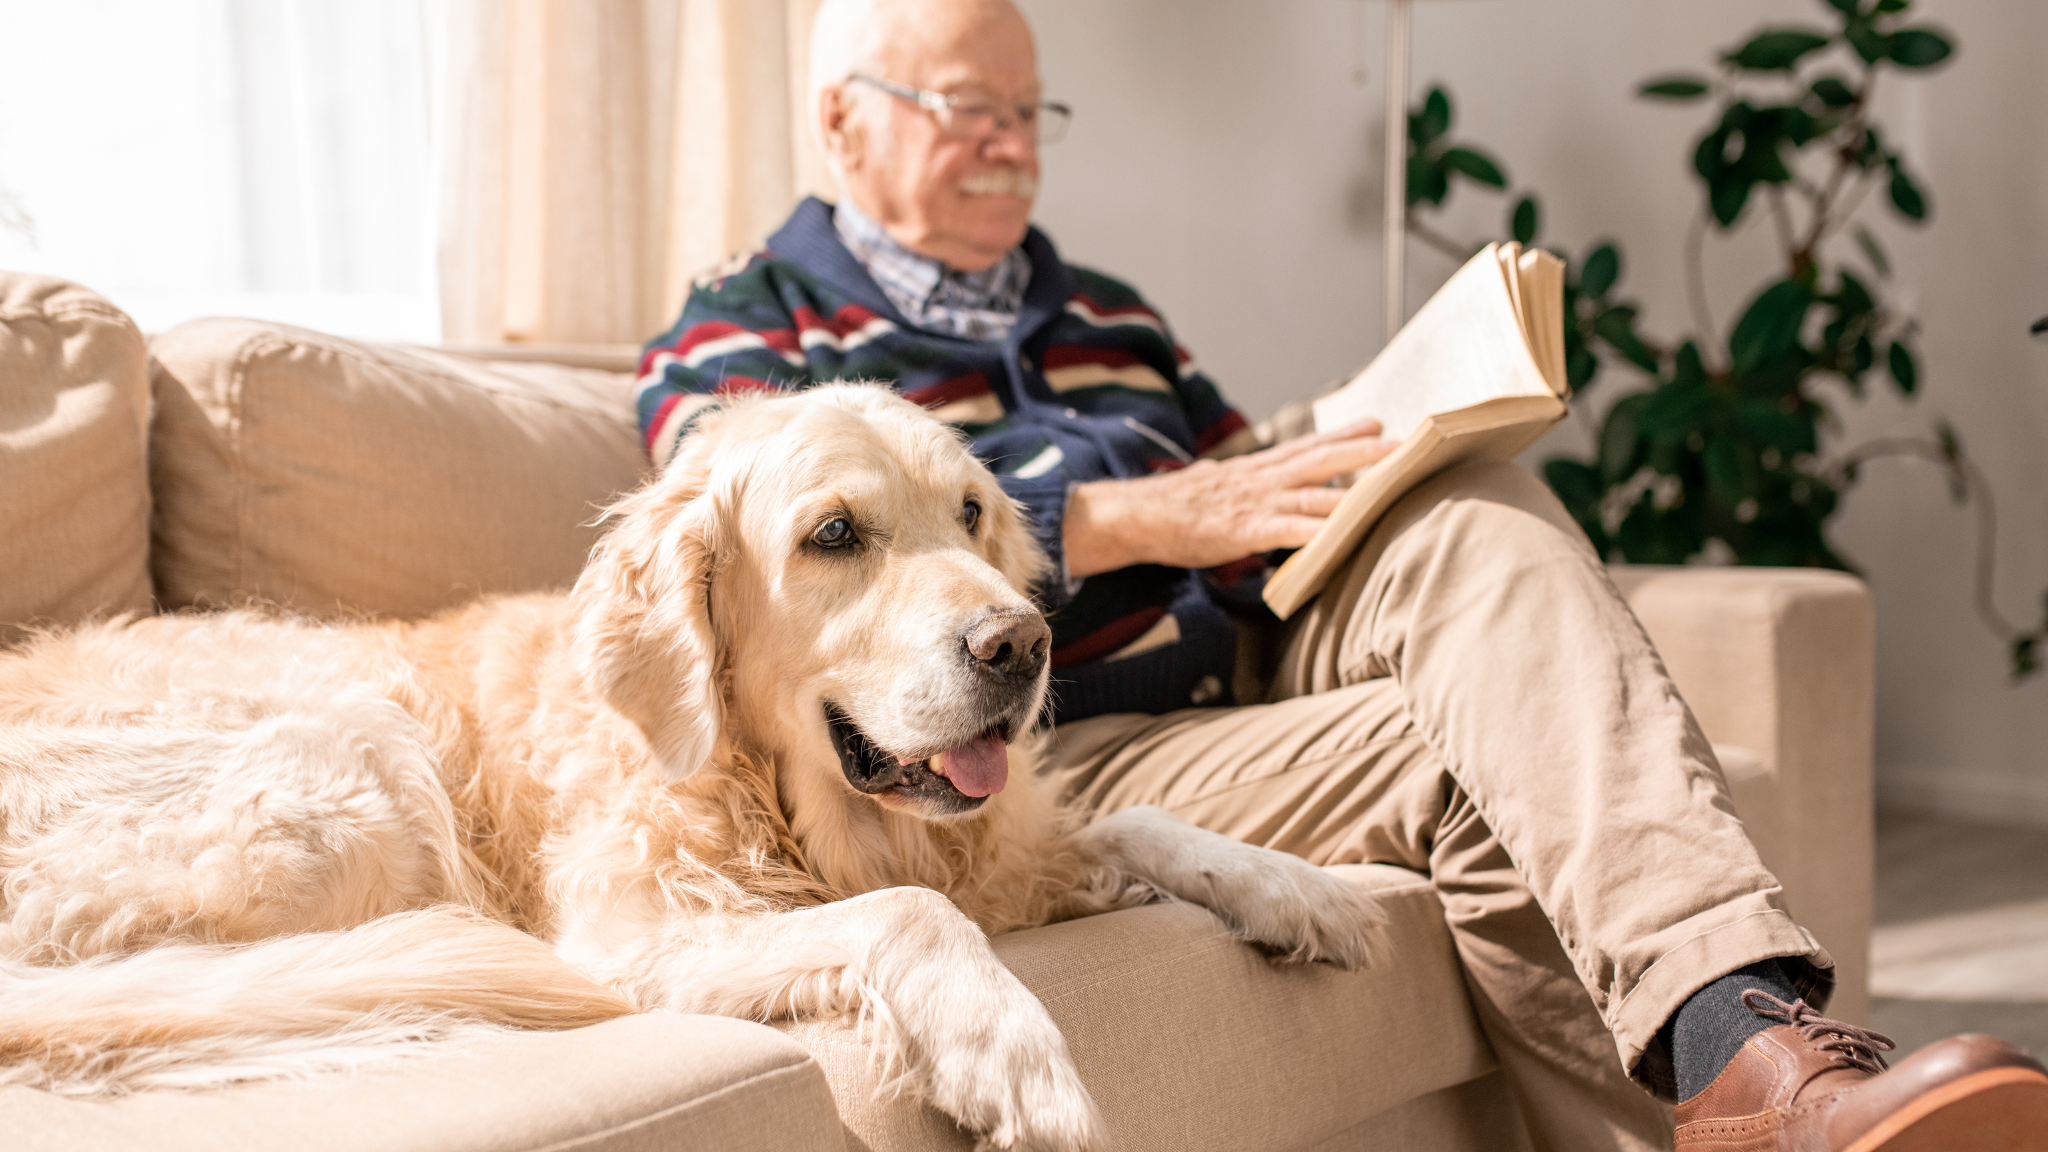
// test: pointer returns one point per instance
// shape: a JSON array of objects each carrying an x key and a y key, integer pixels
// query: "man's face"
[{"x": 961, "y": 200}]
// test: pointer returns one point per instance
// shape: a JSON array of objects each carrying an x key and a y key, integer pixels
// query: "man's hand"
[{"x": 1213, "y": 512}]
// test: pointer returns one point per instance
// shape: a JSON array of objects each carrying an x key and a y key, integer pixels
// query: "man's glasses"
[{"x": 979, "y": 117}]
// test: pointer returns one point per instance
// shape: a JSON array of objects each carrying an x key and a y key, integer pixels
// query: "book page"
[
  {"x": 1463, "y": 347},
  {"x": 1541, "y": 277},
  {"x": 1508, "y": 254}
]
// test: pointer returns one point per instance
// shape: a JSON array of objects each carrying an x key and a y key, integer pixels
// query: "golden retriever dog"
[{"x": 771, "y": 757}]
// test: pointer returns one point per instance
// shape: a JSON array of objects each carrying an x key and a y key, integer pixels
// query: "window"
[{"x": 268, "y": 158}]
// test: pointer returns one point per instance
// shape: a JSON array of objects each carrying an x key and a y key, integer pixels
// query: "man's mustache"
[{"x": 1001, "y": 182}]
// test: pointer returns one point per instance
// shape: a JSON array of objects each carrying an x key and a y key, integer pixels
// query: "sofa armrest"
[{"x": 1778, "y": 664}]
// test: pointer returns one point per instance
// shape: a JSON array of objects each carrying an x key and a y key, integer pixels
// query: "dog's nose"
[{"x": 1011, "y": 642}]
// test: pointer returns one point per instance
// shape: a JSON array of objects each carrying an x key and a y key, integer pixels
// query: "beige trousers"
[{"x": 1471, "y": 698}]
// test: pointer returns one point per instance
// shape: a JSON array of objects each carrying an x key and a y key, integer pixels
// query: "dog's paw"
[
  {"x": 1020, "y": 1096},
  {"x": 1053, "y": 1113},
  {"x": 1305, "y": 914}
]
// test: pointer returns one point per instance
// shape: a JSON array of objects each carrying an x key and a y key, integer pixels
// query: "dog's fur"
[{"x": 237, "y": 844}]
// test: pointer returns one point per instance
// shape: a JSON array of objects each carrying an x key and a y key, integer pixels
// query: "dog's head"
[{"x": 830, "y": 580}]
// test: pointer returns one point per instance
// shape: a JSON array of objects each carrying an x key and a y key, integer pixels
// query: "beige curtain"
[{"x": 601, "y": 152}]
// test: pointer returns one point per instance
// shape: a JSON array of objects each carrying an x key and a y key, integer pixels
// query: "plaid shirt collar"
[{"x": 978, "y": 305}]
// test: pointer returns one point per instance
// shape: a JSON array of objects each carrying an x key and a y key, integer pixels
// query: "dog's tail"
[{"x": 197, "y": 1015}]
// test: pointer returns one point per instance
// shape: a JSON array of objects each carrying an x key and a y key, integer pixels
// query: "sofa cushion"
[
  {"x": 654, "y": 1083},
  {"x": 1189, "y": 1039},
  {"x": 74, "y": 488},
  {"x": 332, "y": 476}
]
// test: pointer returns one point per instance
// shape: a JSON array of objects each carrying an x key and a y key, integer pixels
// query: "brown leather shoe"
[{"x": 1813, "y": 1084}]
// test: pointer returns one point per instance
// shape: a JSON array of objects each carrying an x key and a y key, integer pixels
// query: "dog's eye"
[
  {"x": 970, "y": 515},
  {"x": 834, "y": 533}
]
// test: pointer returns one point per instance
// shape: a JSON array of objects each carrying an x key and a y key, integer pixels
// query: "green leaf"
[
  {"x": 1603, "y": 268},
  {"x": 1774, "y": 427},
  {"x": 1621, "y": 441},
  {"x": 1475, "y": 165},
  {"x": 1674, "y": 411},
  {"x": 1686, "y": 365},
  {"x": 1522, "y": 222},
  {"x": 1727, "y": 196},
  {"x": 1905, "y": 372},
  {"x": 1889, "y": 6},
  {"x": 1776, "y": 50},
  {"x": 1731, "y": 472},
  {"x": 1848, "y": 7},
  {"x": 1648, "y": 536},
  {"x": 1833, "y": 92},
  {"x": 1434, "y": 120},
  {"x": 1906, "y": 196},
  {"x": 1710, "y": 157},
  {"x": 1872, "y": 251},
  {"x": 1580, "y": 366},
  {"x": 2040, "y": 327},
  {"x": 1852, "y": 297},
  {"x": 1617, "y": 327},
  {"x": 1869, "y": 43},
  {"x": 1769, "y": 328},
  {"x": 1674, "y": 88},
  {"x": 1427, "y": 180},
  {"x": 1864, "y": 355},
  {"x": 1917, "y": 48}
]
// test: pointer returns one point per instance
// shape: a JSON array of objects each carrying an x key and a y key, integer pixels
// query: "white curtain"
[{"x": 600, "y": 152}]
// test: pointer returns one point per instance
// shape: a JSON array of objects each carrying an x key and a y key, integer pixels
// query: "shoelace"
[{"x": 1847, "y": 1045}]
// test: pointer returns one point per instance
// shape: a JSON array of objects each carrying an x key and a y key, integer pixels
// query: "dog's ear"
[
  {"x": 644, "y": 638},
  {"x": 1012, "y": 548}
]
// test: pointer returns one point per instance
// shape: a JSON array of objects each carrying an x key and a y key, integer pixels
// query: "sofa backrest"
[
  {"x": 74, "y": 488},
  {"x": 330, "y": 476}
]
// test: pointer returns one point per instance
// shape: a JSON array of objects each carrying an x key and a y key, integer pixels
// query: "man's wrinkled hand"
[{"x": 1216, "y": 511}]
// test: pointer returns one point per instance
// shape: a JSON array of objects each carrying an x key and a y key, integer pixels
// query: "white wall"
[{"x": 1224, "y": 158}]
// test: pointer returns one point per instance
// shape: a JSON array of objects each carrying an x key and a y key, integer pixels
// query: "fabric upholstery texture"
[
  {"x": 74, "y": 489},
  {"x": 1189, "y": 1039},
  {"x": 651, "y": 1083},
  {"x": 330, "y": 476}
]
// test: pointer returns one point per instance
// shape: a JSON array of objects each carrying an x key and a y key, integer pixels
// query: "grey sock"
[{"x": 1708, "y": 1030}]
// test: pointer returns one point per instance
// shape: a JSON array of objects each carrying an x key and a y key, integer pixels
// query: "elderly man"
[{"x": 1469, "y": 697}]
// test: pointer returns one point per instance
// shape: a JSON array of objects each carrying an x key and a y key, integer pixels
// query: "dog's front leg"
[
  {"x": 935, "y": 998},
  {"x": 1279, "y": 902}
]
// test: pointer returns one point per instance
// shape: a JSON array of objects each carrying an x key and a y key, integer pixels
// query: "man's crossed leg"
[{"x": 1471, "y": 698}]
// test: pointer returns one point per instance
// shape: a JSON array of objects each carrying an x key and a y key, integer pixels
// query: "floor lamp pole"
[{"x": 1396, "y": 238}]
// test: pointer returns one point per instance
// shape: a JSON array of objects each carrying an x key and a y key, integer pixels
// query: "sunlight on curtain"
[
  {"x": 268, "y": 158},
  {"x": 602, "y": 151}
]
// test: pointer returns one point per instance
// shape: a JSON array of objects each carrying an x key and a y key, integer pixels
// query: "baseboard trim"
[{"x": 1970, "y": 794}]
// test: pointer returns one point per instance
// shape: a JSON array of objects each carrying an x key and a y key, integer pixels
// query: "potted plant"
[{"x": 1724, "y": 450}]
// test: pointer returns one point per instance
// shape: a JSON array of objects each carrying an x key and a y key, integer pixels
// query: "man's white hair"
[{"x": 846, "y": 37}]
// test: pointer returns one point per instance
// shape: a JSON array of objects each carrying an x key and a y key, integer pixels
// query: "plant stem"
[
  {"x": 1696, "y": 285},
  {"x": 1782, "y": 218},
  {"x": 1856, "y": 196},
  {"x": 1970, "y": 487},
  {"x": 1851, "y": 132}
]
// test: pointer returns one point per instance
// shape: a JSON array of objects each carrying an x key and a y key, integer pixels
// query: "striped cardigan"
[{"x": 1089, "y": 385}]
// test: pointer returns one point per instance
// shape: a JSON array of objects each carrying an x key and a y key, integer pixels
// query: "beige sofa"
[{"x": 227, "y": 459}]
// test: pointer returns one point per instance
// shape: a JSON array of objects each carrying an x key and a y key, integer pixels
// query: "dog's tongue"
[{"x": 979, "y": 767}]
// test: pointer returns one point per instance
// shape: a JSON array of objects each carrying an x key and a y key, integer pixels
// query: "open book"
[{"x": 1478, "y": 372}]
